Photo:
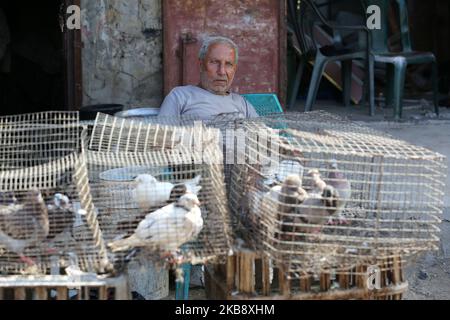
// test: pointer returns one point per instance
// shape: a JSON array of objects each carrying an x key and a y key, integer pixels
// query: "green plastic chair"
[
  {"x": 264, "y": 103},
  {"x": 397, "y": 62},
  {"x": 303, "y": 20}
]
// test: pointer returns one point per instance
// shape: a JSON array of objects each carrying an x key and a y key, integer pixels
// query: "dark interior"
[{"x": 31, "y": 73}]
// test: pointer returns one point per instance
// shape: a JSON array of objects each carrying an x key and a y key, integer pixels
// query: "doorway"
[{"x": 35, "y": 67}]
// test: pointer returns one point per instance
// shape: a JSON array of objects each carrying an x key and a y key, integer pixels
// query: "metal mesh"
[
  {"x": 122, "y": 152},
  {"x": 385, "y": 199},
  {"x": 47, "y": 220}
]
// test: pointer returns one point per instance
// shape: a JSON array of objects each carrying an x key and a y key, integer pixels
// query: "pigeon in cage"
[
  {"x": 25, "y": 224},
  {"x": 277, "y": 172},
  {"x": 166, "y": 229},
  {"x": 317, "y": 208},
  {"x": 337, "y": 179},
  {"x": 150, "y": 192},
  {"x": 291, "y": 194},
  {"x": 61, "y": 214}
]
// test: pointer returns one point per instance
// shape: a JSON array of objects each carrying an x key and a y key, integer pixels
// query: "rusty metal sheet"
[{"x": 257, "y": 27}]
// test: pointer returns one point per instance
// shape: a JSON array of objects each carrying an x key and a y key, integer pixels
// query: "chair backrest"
[
  {"x": 309, "y": 22},
  {"x": 264, "y": 103},
  {"x": 379, "y": 37}
]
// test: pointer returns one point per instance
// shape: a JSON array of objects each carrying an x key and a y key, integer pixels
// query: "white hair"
[{"x": 217, "y": 39}]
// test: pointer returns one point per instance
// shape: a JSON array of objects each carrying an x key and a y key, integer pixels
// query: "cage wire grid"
[
  {"x": 122, "y": 152},
  {"x": 47, "y": 221},
  {"x": 390, "y": 208}
]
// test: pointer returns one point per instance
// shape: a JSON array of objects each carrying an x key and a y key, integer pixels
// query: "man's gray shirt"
[{"x": 202, "y": 104}]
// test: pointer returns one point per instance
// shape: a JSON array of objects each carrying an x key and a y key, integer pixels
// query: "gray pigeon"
[
  {"x": 338, "y": 180},
  {"x": 25, "y": 224}
]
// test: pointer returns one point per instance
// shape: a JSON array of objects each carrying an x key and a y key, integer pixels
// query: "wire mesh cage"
[
  {"x": 318, "y": 192},
  {"x": 143, "y": 178},
  {"x": 47, "y": 220}
]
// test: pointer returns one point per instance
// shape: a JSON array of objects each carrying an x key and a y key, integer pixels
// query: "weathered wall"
[{"x": 122, "y": 52}]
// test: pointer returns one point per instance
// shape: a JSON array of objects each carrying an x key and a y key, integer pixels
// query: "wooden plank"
[
  {"x": 122, "y": 291},
  {"x": 86, "y": 291},
  {"x": 265, "y": 276},
  {"x": 40, "y": 293},
  {"x": 230, "y": 275},
  {"x": 396, "y": 277},
  {"x": 246, "y": 280},
  {"x": 283, "y": 281},
  {"x": 102, "y": 293},
  {"x": 344, "y": 279},
  {"x": 305, "y": 283},
  {"x": 19, "y": 293},
  {"x": 62, "y": 293},
  {"x": 325, "y": 282},
  {"x": 330, "y": 295},
  {"x": 48, "y": 281},
  {"x": 216, "y": 288}
]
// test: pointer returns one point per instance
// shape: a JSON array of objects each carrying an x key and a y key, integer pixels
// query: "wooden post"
[
  {"x": 344, "y": 279},
  {"x": 19, "y": 294},
  {"x": 266, "y": 276},
  {"x": 325, "y": 282},
  {"x": 40, "y": 293},
  {"x": 62, "y": 293},
  {"x": 396, "y": 278},
  {"x": 305, "y": 282},
  {"x": 102, "y": 293},
  {"x": 246, "y": 274},
  {"x": 284, "y": 282},
  {"x": 122, "y": 290},
  {"x": 231, "y": 273}
]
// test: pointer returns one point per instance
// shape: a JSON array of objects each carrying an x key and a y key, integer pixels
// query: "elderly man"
[{"x": 218, "y": 58}]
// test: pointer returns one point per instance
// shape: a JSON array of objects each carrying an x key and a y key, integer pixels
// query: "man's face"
[{"x": 218, "y": 68}]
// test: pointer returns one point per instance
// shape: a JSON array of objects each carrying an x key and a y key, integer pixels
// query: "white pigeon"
[
  {"x": 167, "y": 228},
  {"x": 150, "y": 192}
]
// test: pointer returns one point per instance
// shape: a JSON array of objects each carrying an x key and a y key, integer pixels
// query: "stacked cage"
[
  {"x": 48, "y": 224},
  {"x": 140, "y": 174},
  {"x": 325, "y": 197}
]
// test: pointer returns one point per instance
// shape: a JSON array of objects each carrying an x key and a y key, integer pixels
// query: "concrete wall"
[{"x": 122, "y": 52}]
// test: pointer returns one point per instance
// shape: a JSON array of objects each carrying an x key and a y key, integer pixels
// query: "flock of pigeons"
[
  {"x": 31, "y": 222},
  {"x": 178, "y": 217},
  {"x": 322, "y": 202}
]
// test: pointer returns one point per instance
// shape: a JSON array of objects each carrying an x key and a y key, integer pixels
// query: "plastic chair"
[
  {"x": 397, "y": 62},
  {"x": 304, "y": 23},
  {"x": 264, "y": 103}
]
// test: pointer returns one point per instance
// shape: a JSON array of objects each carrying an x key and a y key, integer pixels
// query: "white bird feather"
[
  {"x": 150, "y": 192},
  {"x": 167, "y": 228}
]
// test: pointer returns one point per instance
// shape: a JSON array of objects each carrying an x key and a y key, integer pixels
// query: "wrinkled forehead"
[{"x": 222, "y": 51}]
